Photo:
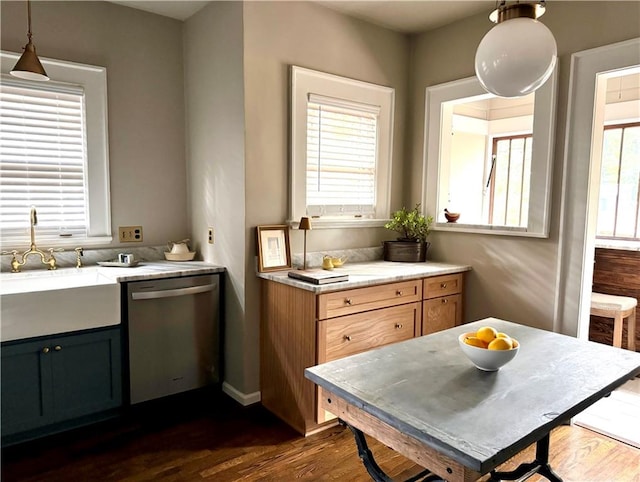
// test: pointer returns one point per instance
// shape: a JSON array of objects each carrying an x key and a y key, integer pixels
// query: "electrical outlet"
[
  {"x": 130, "y": 234},
  {"x": 210, "y": 234}
]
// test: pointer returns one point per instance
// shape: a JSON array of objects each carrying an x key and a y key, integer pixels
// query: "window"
[
  {"x": 509, "y": 178},
  {"x": 53, "y": 155},
  {"x": 341, "y": 150},
  {"x": 619, "y": 206},
  {"x": 500, "y": 187}
]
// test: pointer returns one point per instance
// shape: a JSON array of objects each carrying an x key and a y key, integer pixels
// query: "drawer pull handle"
[
  {"x": 45, "y": 349},
  {"x": 445, "y": 301},
  {"x": 57, "y": 348},
  {"x": 347, "y": 337},
  {"x": 443, "y": 285},
  {"x": 347, "y": 301},
  {"x": 399, "y": 293},
  {"x": 398, "y": 325}
]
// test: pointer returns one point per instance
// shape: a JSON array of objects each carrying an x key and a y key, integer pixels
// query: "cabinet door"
[
  {"x": 26, "y": 386},
  {"x": 87, "y": 375},
  {"x": 441, "y": 313}
]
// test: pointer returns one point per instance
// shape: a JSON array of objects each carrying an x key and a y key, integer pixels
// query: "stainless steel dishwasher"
[{"x": 174, "y": 335}]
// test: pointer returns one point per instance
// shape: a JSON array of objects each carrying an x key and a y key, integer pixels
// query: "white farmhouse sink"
[{"x": 37, "y": 303}]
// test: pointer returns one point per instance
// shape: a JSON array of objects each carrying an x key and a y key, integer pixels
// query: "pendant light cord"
[{"x": 29, "y": 20}]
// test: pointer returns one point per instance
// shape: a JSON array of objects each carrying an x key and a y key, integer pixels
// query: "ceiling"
[{"x": 403, "y": 16}]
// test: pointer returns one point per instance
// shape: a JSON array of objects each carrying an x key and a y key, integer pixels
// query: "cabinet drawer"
[
  {"x": 347, "y": 302},
  {"x": 441, "y": 313},
  {"x": 442, "y": 286},
  {"x": 353, "y": 334}
]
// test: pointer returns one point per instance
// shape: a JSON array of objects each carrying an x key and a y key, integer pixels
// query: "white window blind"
[
  {"x": 342, "y": 144},
  {"x": 43, "y": 160}
]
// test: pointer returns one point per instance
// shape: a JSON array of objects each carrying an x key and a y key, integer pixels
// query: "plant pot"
[{"x": 405, "y": 251}]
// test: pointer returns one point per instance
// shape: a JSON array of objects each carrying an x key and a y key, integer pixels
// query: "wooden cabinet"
[
  {"x": 442, "y": 305},
  {"x": 51, "y": 380},
  {"x": 300, "y": 329}
]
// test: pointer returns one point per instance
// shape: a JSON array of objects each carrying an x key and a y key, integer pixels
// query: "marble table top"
[
  {"x": 371, "y": 273},
  {"x": 426, "y": 388}
]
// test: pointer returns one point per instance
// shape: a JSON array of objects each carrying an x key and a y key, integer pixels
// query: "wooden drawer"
[
  {"x": 441, "y": 313},
  {"x": 445, "y": 285},
  {"x": 348, "y": 335},
  {"x": 348, "y": 302}
]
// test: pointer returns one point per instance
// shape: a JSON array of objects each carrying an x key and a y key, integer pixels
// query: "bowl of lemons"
[{"x": 488, "y": 349}]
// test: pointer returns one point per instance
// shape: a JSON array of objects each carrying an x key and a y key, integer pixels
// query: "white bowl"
[
  {"x": 484, "y": 359},
  {"x": 180, "y": 256}
]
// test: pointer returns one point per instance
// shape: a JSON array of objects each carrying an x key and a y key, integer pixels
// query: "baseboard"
[{"x": 242, "y": 398}]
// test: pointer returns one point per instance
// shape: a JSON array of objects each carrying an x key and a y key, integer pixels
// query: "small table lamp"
[{"x": 305, "y": 225}]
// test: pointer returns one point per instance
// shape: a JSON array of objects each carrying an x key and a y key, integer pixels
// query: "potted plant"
[{"x": 413, "y": 228}]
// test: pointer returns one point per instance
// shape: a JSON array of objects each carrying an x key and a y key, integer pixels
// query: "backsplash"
[
  {"x": 357, "y": 255},
  {"x": 67, "y": 259}
]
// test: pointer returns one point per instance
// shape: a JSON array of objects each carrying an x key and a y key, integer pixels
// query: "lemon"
[
  {"x": 502, "y": 335},
  {"x": 487, "y": 334},
  {"x": 501, "y": 344},
  {"x": 515, "y": 343},
  {"x": 474, "y": 341}
]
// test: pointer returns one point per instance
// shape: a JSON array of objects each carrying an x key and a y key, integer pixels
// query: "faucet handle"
[
  {"x": 52, "y": 260},
  {"x": 13, "y": 252}
]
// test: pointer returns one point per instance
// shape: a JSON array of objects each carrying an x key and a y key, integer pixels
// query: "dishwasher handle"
[{"x": 154, "y": 295}]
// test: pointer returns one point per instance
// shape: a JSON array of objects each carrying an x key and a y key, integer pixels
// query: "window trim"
[
  {"x": 93, "y": 80},
  {"x": 305, "y": 82},
  {"x": 436, "y": 99}
]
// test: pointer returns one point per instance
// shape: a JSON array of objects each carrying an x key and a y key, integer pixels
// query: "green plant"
[{"x": 411, "y": 225}]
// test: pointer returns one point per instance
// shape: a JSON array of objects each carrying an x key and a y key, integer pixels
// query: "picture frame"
[{"x": 274, "y": 250}]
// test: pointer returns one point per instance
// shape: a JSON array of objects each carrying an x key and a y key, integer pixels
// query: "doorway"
[{"x": 588, "y": 80}]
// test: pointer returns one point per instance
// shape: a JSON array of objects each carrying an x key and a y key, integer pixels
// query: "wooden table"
[{"x": 425, "y": 399}]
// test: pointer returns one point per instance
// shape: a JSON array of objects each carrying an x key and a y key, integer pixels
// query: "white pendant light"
[{"x": 517, "y": 55}]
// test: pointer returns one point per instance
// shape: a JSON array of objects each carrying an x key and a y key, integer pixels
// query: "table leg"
[
  {"x": 540, "y": 466},
  {"x": 374, "y": 469}
]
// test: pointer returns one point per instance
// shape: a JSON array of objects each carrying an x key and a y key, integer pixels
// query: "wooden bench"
[{"x": 618, "y": 308}]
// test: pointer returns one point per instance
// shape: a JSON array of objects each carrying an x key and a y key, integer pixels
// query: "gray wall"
[
  {"x": 213, "y": 51},
  {"x": 513, "y": 278},
  {"x": 143, "y": 56},
  {"x": 277, "y": 35}
]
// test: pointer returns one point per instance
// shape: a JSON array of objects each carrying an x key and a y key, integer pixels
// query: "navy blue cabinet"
[{"x": 51, "y": 380}]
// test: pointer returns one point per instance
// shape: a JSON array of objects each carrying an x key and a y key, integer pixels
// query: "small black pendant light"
[{"x": 29, "y": 66}]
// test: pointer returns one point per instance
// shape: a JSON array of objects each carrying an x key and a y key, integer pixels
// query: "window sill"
[
  {"x": 45, "y": 243},
  {"x": 319, "y": 223},
  {"x": 486, "y": 229},
  {"x": 622, "y": 245}
]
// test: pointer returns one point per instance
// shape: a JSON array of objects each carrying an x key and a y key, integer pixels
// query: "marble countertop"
[
  {"x": 159, "y": 269},
  {"x": 370, "y": 273},
  {"x": 45, "y": 280}
]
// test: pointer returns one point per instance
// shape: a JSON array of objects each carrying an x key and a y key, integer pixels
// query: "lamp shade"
[
  {"x": 304, "y": 224},
  {"x": 29, "y": 66},
  {"x": 516, "y": 57}
]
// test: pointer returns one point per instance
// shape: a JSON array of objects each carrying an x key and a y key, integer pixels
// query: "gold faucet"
[
  {"x": 50, "y": 261},
  {"x": 79, "y": 252}
]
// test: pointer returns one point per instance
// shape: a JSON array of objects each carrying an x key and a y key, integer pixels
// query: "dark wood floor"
[{"x": 216, "y": 439}]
